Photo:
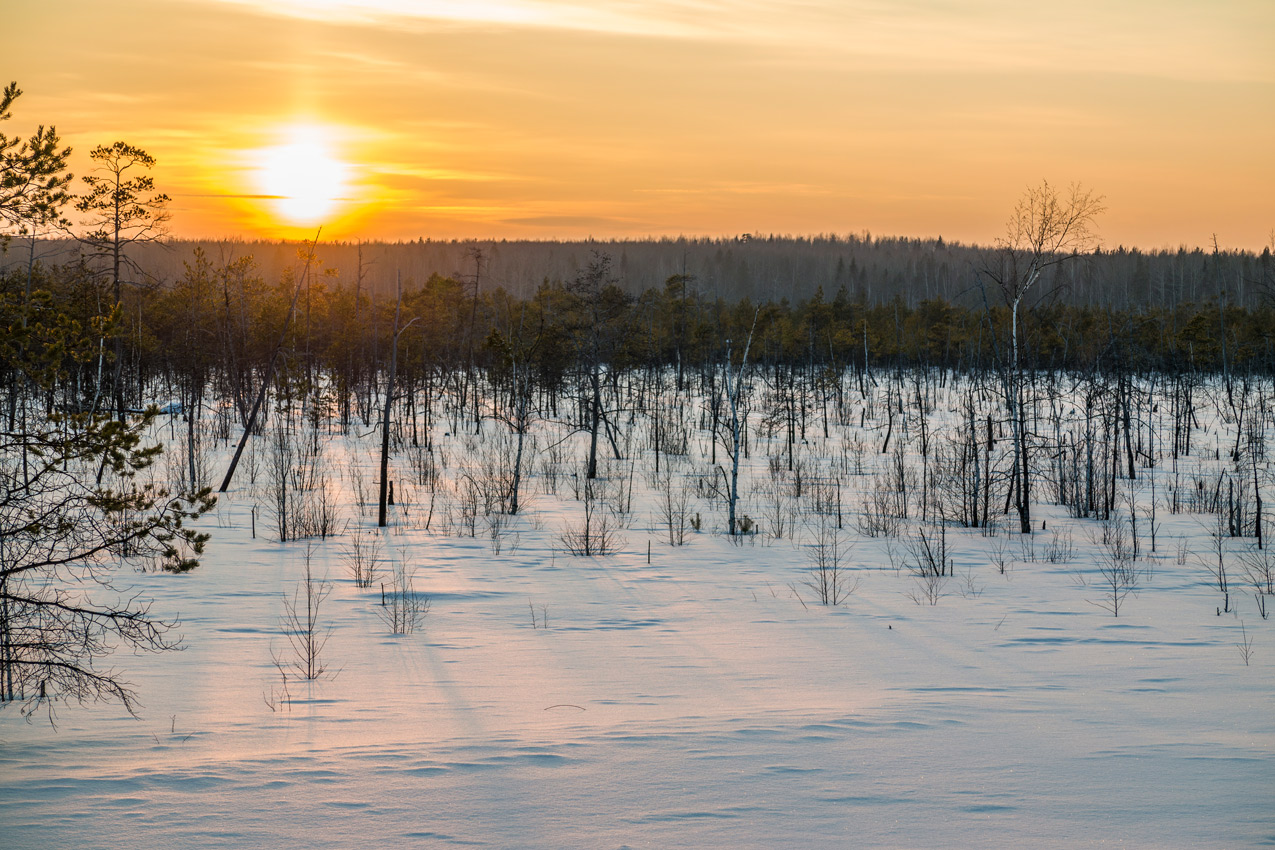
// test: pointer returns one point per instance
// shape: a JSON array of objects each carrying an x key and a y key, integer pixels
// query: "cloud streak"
[{"x": 1173, "y": 38}]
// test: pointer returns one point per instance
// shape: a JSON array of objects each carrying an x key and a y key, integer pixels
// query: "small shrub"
[
  {"x": 402, "y": 608},
  {"x": 361, "y": 554}
]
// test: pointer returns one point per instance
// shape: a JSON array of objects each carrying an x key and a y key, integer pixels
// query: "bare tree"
[
  {"x": 828, "y": 576},
  {"x": 1117, "y": 566},
  {"x": 300, "y": 622},
  {"x": 596, "y": 534},
  {"x": 732, "y": 439},
  {"x": 1047, "y": 229},
  {"x": 674, "y": 506},
  {"x": 1218, "y": 534},
  {"x": 389, "y": 403},
  {"x": 600, "y": 302},
  {"x": 517, "y": 346},
  {"x": 362, "y": 552},
  {"x": 402, "y": 608}
]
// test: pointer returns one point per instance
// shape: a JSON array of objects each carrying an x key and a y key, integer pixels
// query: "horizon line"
[{"x": 865, "y": 236}]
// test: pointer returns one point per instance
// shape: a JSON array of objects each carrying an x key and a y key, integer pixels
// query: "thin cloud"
[
  {"x": 662, "y": 19},
  {"x": 1169, "y": 41}
]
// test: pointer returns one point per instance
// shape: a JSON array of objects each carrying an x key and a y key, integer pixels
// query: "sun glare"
[{"x": 303, "y": 177}]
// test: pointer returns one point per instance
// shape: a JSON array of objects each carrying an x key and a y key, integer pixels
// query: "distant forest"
[
  {"x": 192, "y": 314},
  {"x": 870, "y": 270}
]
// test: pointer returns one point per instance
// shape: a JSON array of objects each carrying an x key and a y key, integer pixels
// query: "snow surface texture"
[{"x": 704, "y": 699}]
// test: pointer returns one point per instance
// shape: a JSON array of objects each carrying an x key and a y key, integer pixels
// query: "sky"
[{"x": 544, "y": 119}]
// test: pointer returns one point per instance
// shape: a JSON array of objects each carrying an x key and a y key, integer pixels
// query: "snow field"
[{"x": 705, "y": 699}]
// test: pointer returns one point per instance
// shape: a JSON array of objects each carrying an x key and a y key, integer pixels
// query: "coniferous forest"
[{"x": 203, "y": 321}]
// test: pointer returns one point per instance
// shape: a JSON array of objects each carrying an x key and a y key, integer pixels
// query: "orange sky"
[{"x": 566, "y": 118}]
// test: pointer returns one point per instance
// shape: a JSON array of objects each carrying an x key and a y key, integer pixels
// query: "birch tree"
[{"x": 1047, "y": 229}]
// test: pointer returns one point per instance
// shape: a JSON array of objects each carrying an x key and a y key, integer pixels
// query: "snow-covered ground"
[{"x": 701, "y": 699}]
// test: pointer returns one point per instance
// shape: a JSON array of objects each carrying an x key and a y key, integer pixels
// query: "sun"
[{"x": 302, "y": 176}]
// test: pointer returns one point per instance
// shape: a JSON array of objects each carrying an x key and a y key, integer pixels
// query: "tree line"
[
  {"x": 214, "y": 328},
  {"x": 872, "y": 268}
]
